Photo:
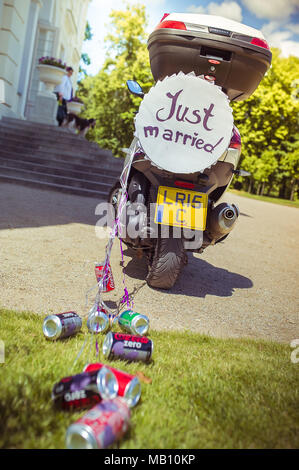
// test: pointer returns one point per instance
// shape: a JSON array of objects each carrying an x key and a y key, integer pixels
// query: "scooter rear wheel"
[{"x": 167, "y": 263}]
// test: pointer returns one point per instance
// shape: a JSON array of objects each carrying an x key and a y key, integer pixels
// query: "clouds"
[
  {"x": 281, "y": 36},
  {"x": 272, "y": 10},
  {"x": 280, "y": 29},
  {"x": 229, "y": 9}
]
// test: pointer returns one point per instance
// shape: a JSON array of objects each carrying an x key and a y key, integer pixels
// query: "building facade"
[{"x": 30, "y": 29}]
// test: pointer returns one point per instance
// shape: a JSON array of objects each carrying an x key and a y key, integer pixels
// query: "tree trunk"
[
  {"x": 263, "y": 189},
  {"x": 258, "y": 189},
  {"x": 250, "y": 186},
  {"x": 294, "y": 189},
  {"x": 282, "y": 188}
]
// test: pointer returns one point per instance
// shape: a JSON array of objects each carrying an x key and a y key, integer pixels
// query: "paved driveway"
[{"x": 244, "y": 287}]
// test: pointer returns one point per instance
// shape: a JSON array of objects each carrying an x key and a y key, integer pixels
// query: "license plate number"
[{"x": 181, "y": 208}]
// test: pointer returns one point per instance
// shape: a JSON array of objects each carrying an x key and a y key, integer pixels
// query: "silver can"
[
  {"x": 129, "y": 386},
  {"x": 61, "y": 325},
  {"x": 133, "y": 323},
  {"x": 98, "y": 322},
  {"x": 100, "y": 427}
]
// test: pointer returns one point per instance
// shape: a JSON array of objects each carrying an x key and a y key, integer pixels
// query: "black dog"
[{"x": 79, "y": 125}]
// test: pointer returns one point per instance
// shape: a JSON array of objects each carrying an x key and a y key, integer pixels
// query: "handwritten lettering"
[
  {"x": 181, "y": 138},
  {"x": 181, "y": 115}
]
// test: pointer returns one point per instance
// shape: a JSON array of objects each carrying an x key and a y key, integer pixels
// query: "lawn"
[
  {"x": 205, "y": 392},
  {"x": 274, "y": 200}
]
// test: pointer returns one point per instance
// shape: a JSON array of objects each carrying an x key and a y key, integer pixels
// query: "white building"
[{"x": 30, "y": 29}]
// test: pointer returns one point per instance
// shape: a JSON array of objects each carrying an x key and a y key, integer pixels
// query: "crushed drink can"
[
  {"x": 102, "y": 426},
  {"x": 128, "y": 347},
  {"x": 98, "y": 321},
  {"x": 61, "y": 325},
  {"x": 133, "y": 323},
  {"x": 129, "y": 387},
  {"x": 108, "y": 282},
  {"x": 85, "y": 389}
]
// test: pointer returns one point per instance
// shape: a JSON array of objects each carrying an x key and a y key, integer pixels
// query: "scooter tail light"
[
  {"x": 260, "y": 42},
  {"x": 184, "y": 184},
  {"x": 235, "y": 145},
  {"x": 235, "y": 142},
  {"x": 172, "y": 25}
]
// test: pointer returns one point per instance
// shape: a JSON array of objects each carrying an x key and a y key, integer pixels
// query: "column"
[{"x": 27, "y": 59}]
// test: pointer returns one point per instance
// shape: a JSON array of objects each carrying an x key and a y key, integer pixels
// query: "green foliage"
[
  {"x": 88, "y": 34},
  {"x": 84, "y": 56},
  {"x": 205, "y": 392},
  {"x": 268, "y": 123},
  {"x": 106, "y": 96}
]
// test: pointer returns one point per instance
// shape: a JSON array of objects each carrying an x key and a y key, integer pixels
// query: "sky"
[{"x": 277, "y": 19}]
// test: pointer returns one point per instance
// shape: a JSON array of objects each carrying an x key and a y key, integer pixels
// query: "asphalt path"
[{"x": 246, "y": 286}]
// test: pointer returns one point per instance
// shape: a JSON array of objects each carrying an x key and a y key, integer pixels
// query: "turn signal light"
[
  {"x": 172, "y": 25},
  {"x": 260, "y": 43}
]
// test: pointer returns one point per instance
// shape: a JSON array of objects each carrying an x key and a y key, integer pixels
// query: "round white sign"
[{"x": 184, "y": 124}]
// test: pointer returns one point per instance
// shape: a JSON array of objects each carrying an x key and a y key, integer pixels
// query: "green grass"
[
  {"x": 274, "y": 200},
  {"x": 205, "y": 392}
]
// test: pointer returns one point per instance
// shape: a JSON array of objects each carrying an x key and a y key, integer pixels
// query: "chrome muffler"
[{"x": 221, "y": 220}]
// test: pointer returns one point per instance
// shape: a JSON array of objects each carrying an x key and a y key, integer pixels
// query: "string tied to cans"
[{"x": 100, "y": 316}]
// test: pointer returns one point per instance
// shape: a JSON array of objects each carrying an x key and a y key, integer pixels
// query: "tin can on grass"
[
  {"x": 108, "y": 284},
  {"x": 98, "y": 321},
  {"x": 128, "y": 347},
  {"x": 61, "y": 325},
  {"x": 102, "y": 426},
  {"x": 85, "y": 389},
  {"x": 133, "y": 323},
  {"x": 129, "y": 387}
]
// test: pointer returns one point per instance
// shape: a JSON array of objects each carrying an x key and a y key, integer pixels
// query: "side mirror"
[
  {"x": 241, "y": 173},
  {"x": 135, "y": 88}
]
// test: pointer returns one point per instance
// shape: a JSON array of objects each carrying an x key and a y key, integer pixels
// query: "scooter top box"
[{"x": 234, "y": 55}]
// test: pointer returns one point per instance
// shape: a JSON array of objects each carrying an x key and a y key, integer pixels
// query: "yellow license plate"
[{"x": 181, "y": 208}]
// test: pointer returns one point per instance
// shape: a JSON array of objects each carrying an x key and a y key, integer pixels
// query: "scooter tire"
[{"x": 167, "y": 263}]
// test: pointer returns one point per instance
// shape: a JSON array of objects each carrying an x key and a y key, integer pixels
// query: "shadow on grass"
[{"x": 198, "y": 279}]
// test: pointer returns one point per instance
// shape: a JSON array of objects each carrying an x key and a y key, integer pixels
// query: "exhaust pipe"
[{"x": 221, "y": 220}]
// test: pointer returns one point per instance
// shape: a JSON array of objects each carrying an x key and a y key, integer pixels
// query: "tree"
[
  {"x": 268, "y": 122},
  {"x": 106, "y": 96},
  {"x": 84, "y": 56}
]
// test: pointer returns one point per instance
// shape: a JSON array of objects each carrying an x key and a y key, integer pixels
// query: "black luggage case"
[{"x": 237, "y": 65}]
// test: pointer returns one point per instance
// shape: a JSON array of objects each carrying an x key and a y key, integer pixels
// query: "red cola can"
[
  {"x": 108, "y": 283},
  {"x": 128, "y": 347},
  {"x": 128, "y": 385},
  {"x": 102, "y": 426},
  {"x": 85, "y": 389}
]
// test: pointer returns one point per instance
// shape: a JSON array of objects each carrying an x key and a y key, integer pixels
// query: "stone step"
[
  {"x": 58, "y": 134},
  {"x": 32, "y": 126},
  {"x": 95, "y": 177},
  {"x": 52, "y": 141},
  {"x": 25, "y": 123},
  {"x": 51, "y": 154},
  {"x": 49, "y": 157},
  {"x": 60, "y": 164},
  {"x": 100, "y": 195},
  {"x": 55, "y": 179}
]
